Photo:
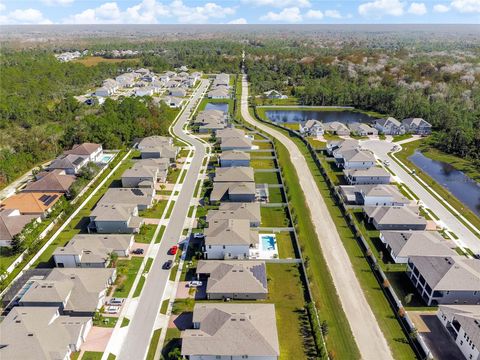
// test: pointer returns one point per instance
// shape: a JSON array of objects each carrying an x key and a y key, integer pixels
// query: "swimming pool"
[
  {"x": 106, "y": 158},
  {"x": 269, "y": 242}
]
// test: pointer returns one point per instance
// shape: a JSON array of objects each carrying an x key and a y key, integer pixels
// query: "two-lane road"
[{"x": 142, "y": 324}]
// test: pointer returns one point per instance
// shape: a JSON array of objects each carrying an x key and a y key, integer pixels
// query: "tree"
[
  {"x": 324, "y": 327},
  {"x": 408, "y": 298}
]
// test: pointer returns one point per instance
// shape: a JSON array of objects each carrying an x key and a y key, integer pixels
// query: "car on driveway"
[
  {"x": 198, "y": 236},
  {"x": 194, "y": 283},
  {"x": 112, "y": 309},
  {"x": 116, "y": 302},
  {"x": 167, "y": 265},
  {"x": 138, "y": 251},
  {"x": 173, "y": 250}
]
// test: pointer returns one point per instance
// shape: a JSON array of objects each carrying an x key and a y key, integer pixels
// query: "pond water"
[
  {"x": 300, "y": 116},
  {"x": 217, "y": 106},
  {"x": 460, "y": 185}
]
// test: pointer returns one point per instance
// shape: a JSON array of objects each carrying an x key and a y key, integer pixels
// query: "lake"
[
  {"x": 217, "y": 106},
  {"x": 460, "y": 185},
  {"x": 300, "y": 116}
]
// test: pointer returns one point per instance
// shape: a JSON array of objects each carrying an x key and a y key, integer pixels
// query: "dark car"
[
  {"x": 138, "y": 251},
  {"x": 167, "y": 264}
]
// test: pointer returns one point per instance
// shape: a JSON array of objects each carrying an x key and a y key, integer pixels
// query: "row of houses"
[
  {"x": 232, "y": 330},
  {"x": 220, "y": 88},
  {"x": 38, "y": 197},
  {"x": 209, "y": 121}
]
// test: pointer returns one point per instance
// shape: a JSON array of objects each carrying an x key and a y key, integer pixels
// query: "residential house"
[
  {"x": 239, "y": 280},
  {"x": 401, "y": 245},
  {"x": 174, "y": 102},
  {"x": 417, "y": 126},
  {"x": 362, "y": 129},
  {"x": 354, "y": 159},
  {"x": 177, "y": 92},
  {"x": 221, "y": 80},
  {"x": 142, "y": 198},
  {"x": 373, "y": 175},
  {"x": 220, "y": 93},
  {"x": 234, "y": 174},
  {"x": 56, "y": 181},
  {"x": 312, "y": 128},
  {"x": 274, "y": 94},
  {"x": 92, "y": 250},
  {"x": 445, "y": 279},
  {"x": 31, "y": 203},
  {"x": 373, "y": 195},
  {"x": 395, "y": 217},
  {"x": 154, "y": 140},
  {"x": 234, "y": 139},
  {"x": 233, "y": 191},
  {"x": 232, "y": 331},
  {"x": 74, "y": 291},
  {"x": 210, "y": 121},
  {"x": 115, "y": 219},
  {"x": 229, "y": 239},
  {"x": 233, "y": 210},
  {"x": 146, "y": 173},
  {"x": 146, "y": 91},
  {"x": 108, "y": 88},
  {"x": 93, "y": 152},
  {"x": 234, "y": 158},
  {"x": 71, "y": 164},
  {"x": 389, "y": 126},
  {"x": 155, "y": 147},
  {"x": 41, "y": 333},
  {"x": 337, "y": 128},
  {"x": 127, "y": 80},
  {"x": 462, "y": 322},
  {"x": 341, "y": 145},
  {"x": 12, "y": 223}
]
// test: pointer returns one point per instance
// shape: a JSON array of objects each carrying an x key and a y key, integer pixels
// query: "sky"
[{"x": 239, "y": 11}]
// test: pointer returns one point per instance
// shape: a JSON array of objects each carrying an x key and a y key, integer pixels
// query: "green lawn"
[
  {"x": 267, "y": 178},
  {"x": 274, "y": 217},
  {"x": 170, "y": 209},
  {"x": 105, "y": 321},
  {"x": 317, "y": 144},
  {"x": 293, "y": 126},
  {"x": 173, "y": 175},
  {"x": 127, "y": 270},
  {"x": 276, "y": 195},
  {"x": 263, "y": 163},
  {"x": 172, "y": 341},
  {"x": 125, "y": 322},
  {"x": 146, "y": 234},
  {"x": 263, "y": 145},
  {"x": 160, "y": 234},
  {"x": 286, "y": 247},
  {"x": 156, "y": 211},
  {"x": 153, "y": 344},
  {"x": 287, "y": 293},
  {"x": 92, "y": 355},
  {"x": 139, "y": 288},
  {"x": 397, "y": 138}
]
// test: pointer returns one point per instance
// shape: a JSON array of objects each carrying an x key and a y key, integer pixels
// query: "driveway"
[
  {"x": 97, "y": 339},
  {"x": 369, "y": 338}
]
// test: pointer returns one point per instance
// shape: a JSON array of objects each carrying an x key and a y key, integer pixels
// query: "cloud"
[
  {"x": 466, "y": 6},
  {"x": 288, "y": 15},
  {"x": 2, "y": 7},
  {"x": 417, "y": 9},
  {"x": 57, "y": 2},
  {"x": 150, "y": 12},
  {"x": 333, "y": 14},
  {"x": 314, "y": 14},
  {"x": 440, "y": 8},
  {"x": 238, "y": 21},
  {"x": 378, "y": 8},
  {"x": 279, "y": 3},
  {"x": 24, "y": 17}
]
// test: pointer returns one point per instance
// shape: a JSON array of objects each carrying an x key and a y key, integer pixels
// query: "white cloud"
[
  {"x": 150, "y": 12},
  {"x": 279, "y": 3},
  {"x": 314, "y": 14},
  {"x": 378, "y": 8},
  {"x": 57, "y": 2},
  {"x": 466, "y": 6},
  {"x": 333, "y": 14},
  {"x": 288, "y": 15},
  {"x": 2, "y": 7},
  {"x": 440, "y": 8},
  {"x": 238, "y": 21},
  {"x": 417, "y": 9},
  {"x": 26, "y": 16}
]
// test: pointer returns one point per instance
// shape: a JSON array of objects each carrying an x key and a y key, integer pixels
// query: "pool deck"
[{"x": 261, "y": 253}]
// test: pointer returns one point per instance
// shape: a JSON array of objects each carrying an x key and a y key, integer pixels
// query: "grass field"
[
  {"x": 127, "y": 271},
  {"x": 156, "y": 211},
  {"x": 146, "y": 234},
  {"x": 267, "y": 177},
  {"x": 95, "y": 60},
  {"x": 286, "y": 247},
  {"x": 153, "y": 344},
  {"x": 262, "y": 163},
  {"x": 274, "y": 217},
  {"x": 276, "y": 195},
  {"x": 92, "y": 355}
]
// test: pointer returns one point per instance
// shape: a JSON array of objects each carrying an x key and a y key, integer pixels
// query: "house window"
[
  {"x": 218, "y": 357},
  {"x": 209, "y": 246},
  {"x": 224, "y": 246},
  {"x": 461, "y": 342}
]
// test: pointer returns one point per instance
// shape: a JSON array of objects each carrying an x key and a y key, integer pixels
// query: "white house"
[
  {"x": 312, "y": 128},
  {"x": 389, "y": 126}
]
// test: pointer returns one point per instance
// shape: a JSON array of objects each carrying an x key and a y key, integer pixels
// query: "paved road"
[
  {"x": 141, "y": 326},
  {"x": 467, "y": 237},
  {"x": 365, "y": 329}
]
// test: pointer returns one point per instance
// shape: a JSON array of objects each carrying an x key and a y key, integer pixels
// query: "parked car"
[
  {"x": 386, "y": 162},
  {"x": 138, "y": 251},
  {"x": 116, "y": 302},
  {"x": 194, "y": 283},
  {"x": 167, "y": 264},
  {"x": 173, "y": 250},
  {"x": 198, "y": 236},
  {"x": 112, "y": 309}
]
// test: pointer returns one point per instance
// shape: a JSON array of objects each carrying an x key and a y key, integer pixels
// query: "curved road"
[
  {"x": 367, "y": 333},
  {"x": 141, "y": 326}
]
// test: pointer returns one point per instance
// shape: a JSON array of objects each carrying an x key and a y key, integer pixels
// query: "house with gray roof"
[
  {"x": 337, "y": 128},
  {"x": 234, "y": 158},
  {"x": 70, "y": 163},
  {"x": 12, "y": 223},
  {"x": 177, "y": 92},
  {"x": 93, "y": 151},
  {"x": 41, "y": 333},
  {"x": 146, "y": 173},
  {"x": 219, "y": 93},
  {"x": 210, "y": 121},
  {"x": 165, "y": 150},
  {"x": 395, "y": 217},
  {"x": 174, "y": 102},
  {"x": 229, "y": 239},
  {"x": 237, "y": 210},
  {"x": 242, "y": 280},
  {"x": 232, "y": 331},
  {"x": 462, "y": 323},
  {"x": 341, "y": 145},
  {"x": 233, "y": 191},
  {"x": 372, "y": 175},
  {"x": 373, "y": 195},
  {"x": 312, "y": 128},
  {"x": 389, "y": 126},
  {"x": 445, "y": 279},
  {"x": 74, "y": 291},
  {"x": 362, "y": 129},
  {"x": 417, "y": 126},
  {"x": 92, "y": 250},
  {"x": 115, "y": 219},
  {"x": 233, "y": 139},
  {"x": 154, "y": 140},
  {"x": 234, "y": 174},
  {"x": 401, "y": 245},
  {"x": 142, "y": 198},
  {"x": 354, "y": 159}
]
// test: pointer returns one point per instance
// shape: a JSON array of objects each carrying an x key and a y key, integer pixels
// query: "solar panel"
[
  {"x": 51, "y": 199},
  {"x": 137, "y": 192},
  {"x": 44, "y": 198},
  {"x": 78, "y": 161}
]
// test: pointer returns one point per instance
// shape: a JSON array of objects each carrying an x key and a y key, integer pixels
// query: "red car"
[{"x": 173, "y": 250}]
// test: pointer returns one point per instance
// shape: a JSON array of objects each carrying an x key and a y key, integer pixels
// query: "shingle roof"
[
  {"x": 395, "y": 215},
  {"x": 374, "y": 171},
  {"x": 234, "y": 155},
  {"x": 83, "y": 149},
  {"x": 468, "y": 316},
  {"x": 230, "y": 232},
  {"x": 357, "y": 155},
  {"x": 12, "y": 223},
  {"x": 67, "y": 161},
  {"x": 416, "y": 122},
  {"x": 417, "y": 243},
  {"x": 53, "y": 181},
  {"x": 234, "y": 174},
  {"x": 230, "y": 210},
  {"x": 113, "y": 212},
  {"x": 232, "y": 188},
  {"x": 130, "y": 196}
]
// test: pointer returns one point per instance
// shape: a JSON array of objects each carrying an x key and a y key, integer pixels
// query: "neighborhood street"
[
  {"x": 369, "y": 338},
  {"x": 466, "y": 236},
  {"x": 137, "y": 341}
]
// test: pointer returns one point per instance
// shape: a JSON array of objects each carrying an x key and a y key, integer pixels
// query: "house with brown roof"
[
  {"x": 71, "y": 164},
  {"x": 232, "y": 331},
  {"x": 31, "y": 203},
  {"x": 12, "y": 223},
  {"x": 56, "y": 181},
  {"x": 93, "y": 151}
]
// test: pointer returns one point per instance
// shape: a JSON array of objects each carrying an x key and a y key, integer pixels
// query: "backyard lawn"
[
  {"x": 146, "y": 234},
  {"x": 262, "y": 163},
  {"x": 285, "y": 242},
  {"x": 127, "y": 270},
  {"x": 275, "y": 195},
  {"x": 267, "y": 177},
  {"x": 274, "y": 216}
]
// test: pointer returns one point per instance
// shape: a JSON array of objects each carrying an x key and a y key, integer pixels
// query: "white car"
[
  {"x": 112, "y": 309},
  {"x": 116, "y": 302},
  {"x": 386, "y": 162},
  {"x": 194, "y": 284},
  {"x": 198, "y": 236}
]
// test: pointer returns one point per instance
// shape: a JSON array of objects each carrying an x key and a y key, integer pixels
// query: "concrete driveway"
[
  {"x": 369, "y": 338},
  {"x": 97, "y": 339}
]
